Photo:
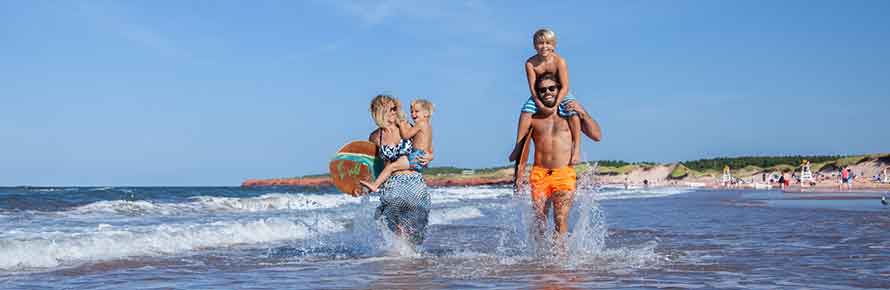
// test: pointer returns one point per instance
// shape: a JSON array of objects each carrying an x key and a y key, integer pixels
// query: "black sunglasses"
[{"x": 553, "y": 88}]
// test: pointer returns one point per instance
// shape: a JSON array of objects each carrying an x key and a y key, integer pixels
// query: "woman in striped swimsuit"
[{"x": 404, "y": 199}]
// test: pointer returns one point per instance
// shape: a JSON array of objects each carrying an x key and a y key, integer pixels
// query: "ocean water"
[{"x": 315, "y": 238}]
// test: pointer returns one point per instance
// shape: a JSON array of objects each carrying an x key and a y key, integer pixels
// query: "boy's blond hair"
[
  {"x": 544, "y": 34},
  {"x": 424, "y": 105},
  {"x": 380, "y": 106}
]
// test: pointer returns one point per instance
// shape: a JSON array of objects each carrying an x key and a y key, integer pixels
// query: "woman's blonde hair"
[
  {"x": 424, "y": 104},
  {"x": 544, "y": 34},
  {"x": 380, "y": 106}
]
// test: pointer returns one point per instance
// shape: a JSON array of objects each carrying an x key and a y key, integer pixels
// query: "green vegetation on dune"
[
  {"x": 443, "y": 170},
  {"x": 612, "y": 163},
  {"x": 847, "y": 161},
  {"x": 620, "y": 170},
  {"x": 436, "y": 171},
  {"x": 313, "y": 175},
  {"x": 761, "y": 162},
  {"x": 679, "y": 172},
  {"x": 850, "y": 160}
]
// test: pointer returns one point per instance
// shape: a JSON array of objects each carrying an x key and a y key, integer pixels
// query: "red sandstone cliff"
[
  {"x": 430, "y": 180},
  {"x": 306, "y": 181}
]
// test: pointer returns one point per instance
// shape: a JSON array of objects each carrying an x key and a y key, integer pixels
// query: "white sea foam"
[
  {"x": 47, "y": 189},
  {"x": 107, "y": 242},
  {"x": 639, "y": 193},
  {"x": 132, "y": 207},
  {"x": 286, "y": 201},
  {"x": 277, "y": 201},
  {"x": 200, "y": 204},
  {"x": 455, "y": 194},
  {"x": 448, "y": 215}
]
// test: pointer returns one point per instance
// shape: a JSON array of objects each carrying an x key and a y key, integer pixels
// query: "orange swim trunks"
[{"x": 545, "y": 181}]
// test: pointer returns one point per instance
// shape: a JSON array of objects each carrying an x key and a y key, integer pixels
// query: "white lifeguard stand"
[
  {"x": 727, "y": 177},
  {"x": 805, "y": 174}
]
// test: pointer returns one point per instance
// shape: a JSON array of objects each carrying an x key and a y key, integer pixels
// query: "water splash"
[
  {"x": 587, "y": 241},
  {"x": 373, "y": 237},
  {"x": 588, "y": 237}
]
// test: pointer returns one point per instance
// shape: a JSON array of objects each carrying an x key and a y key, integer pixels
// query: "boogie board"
[
  {"x": 355, "y": 161},
  {"x": 519, "y": 169}
]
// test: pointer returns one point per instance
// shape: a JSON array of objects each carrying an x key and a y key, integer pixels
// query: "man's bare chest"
[{"x": 551, "y": 125}]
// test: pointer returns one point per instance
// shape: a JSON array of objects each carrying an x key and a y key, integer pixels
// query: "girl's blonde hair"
[
  {"x": 544, "y": 34},
  {"x": 424, "y": 105},
  {"x": 380, "y": 106}
]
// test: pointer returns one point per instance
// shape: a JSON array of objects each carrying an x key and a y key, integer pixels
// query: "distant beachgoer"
[
  {"x": 420, "y": 142},
  {"x": 645, "y": 183},
  {"x": 553, "y": 179},
  {"x": 845, "y": 178},
  {"x": 404, "y": 199},
  {"x": 782, "y": 180}
]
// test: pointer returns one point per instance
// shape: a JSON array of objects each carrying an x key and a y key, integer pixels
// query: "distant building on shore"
[{"x": 727, "y": 176}]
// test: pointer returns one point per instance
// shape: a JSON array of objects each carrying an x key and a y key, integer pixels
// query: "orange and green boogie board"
[{"x": 354, "y": 162}]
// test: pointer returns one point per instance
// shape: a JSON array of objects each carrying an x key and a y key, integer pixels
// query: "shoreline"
[
  {"x": 446, "y": 181},
  {"x": 617, "y": 174},
  {"x": 432, "y": 181}
]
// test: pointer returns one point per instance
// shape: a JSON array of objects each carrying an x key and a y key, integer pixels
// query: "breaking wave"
[{"x": 108, "y": 242}]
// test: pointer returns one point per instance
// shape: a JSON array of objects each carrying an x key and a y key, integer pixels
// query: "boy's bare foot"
[{"x": 370, "y": 186}]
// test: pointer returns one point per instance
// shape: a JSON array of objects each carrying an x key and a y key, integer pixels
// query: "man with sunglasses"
[{"x": 552, "y": 177}]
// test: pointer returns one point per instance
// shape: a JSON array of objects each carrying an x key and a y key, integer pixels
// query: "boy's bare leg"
[
  {"x": 525, "y": 121},
  {"x": 575, "y": 127},
  {"x": 400, "y": 164}
]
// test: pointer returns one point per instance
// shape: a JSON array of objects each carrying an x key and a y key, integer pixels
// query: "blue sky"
[{"x": 213, "y": 92}]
